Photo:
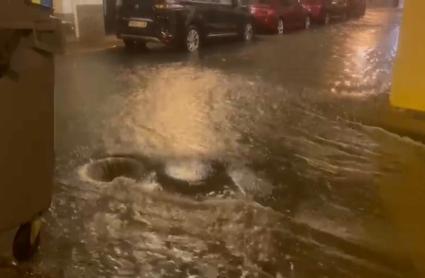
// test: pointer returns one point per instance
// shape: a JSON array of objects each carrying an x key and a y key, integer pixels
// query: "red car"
[
  {"x": 279, "y": 16},
  {"x": 356, "y": 8},
  {"x": 322, "y": 11}
]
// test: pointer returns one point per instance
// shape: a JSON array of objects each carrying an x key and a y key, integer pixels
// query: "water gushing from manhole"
[
  {"x": 193, "y": 176},
  {"x": 191, "y": 171}
]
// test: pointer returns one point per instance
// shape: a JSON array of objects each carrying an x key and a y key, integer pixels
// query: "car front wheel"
[
  {"x": 326, "y": 18},
  {"x": 307, "y": 22},
  {"x": 280, "y": 27},
  {"x": 247, "y": 33},
  {"x": 192, "y": 40}
]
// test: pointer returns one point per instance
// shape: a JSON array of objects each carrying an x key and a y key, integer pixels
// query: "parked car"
[
  {"x": 278, "y": 16},
  {"x": 323, "y": 11},
  {"x": 356, "y": 8},
  {"x": 317, "y": 10},
  {"x": 181, "y": 23}
]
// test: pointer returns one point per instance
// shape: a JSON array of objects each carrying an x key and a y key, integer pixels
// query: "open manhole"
[
  {"x": 193, "y": 176},
  {"x": 108, "y": 169}
]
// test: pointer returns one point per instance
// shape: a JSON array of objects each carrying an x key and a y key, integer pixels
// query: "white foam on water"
[
  {"x": 249, "y": 182},
  {"x": 188, "y": 170}
]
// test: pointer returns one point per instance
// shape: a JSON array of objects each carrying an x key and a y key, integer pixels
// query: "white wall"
[
  {"x": 82, "y": 2},
  {"x": 67, "y": 6}
]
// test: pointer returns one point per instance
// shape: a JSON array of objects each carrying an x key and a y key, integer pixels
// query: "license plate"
[{"x": 137, "y": 24}]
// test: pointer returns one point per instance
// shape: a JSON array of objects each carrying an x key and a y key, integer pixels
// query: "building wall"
[
  {"x": 63, "y": 6},
  {"x": 90, "y": 21},
  {"x": 85, "y": 17},
  {"x": 67, "y": 6}
]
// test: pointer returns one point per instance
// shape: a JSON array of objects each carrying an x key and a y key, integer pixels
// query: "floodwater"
[{"x": 265, "y": 160}]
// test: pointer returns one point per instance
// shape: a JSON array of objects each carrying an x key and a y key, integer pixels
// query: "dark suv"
[{"x": 182, "y": 23}]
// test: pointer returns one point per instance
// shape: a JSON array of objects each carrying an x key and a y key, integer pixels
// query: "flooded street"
[{"x": 272, "y": 159}]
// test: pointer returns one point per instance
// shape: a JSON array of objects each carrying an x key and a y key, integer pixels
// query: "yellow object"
[
  {"x": 404, "y": 195},
  {"x": 408, "y": 89}
]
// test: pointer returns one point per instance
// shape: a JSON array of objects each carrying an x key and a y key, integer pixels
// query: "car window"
[
  {"x": 263, "y": 1},
  {"x": 250, "y": 2},
  {"x": 225, "y": 2},
  {"x": 288, "y": 3},
  {"x": 245, "y": 2},
  {"x": 312, "y": 2},
  {"x": 221, "y": 2}
]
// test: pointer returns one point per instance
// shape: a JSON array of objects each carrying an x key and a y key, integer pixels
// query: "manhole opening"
[
  {"x": 108, "y": 169},
  {"x": 193, "y": 177}
]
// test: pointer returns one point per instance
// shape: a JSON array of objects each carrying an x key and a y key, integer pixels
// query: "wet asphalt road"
[{"x": 260, "y": 160}]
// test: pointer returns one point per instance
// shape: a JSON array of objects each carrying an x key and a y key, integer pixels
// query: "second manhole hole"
[{"x": 110, "y": 168}]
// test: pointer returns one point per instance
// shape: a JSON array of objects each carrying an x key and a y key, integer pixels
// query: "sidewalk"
[
  {"x": 405, "y": 123},
  {"x": 74, "y": 46}
]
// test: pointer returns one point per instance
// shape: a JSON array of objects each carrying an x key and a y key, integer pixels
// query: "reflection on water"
[{"x": 368, "y": 58}]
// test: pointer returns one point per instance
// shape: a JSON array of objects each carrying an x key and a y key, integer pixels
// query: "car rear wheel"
[
  {"x": 362, "y": 11},
  {"x": 280, "y": 27},
  {"x": 307, "y": 22},
  {"x": 193, "y": 39},
  {"x": 345, "y": 16},
  {"x": 247, "y": 32},
  {"x": 326, "y": 18}
]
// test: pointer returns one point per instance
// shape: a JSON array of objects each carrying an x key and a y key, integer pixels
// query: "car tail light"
[
  {"x": 271, "y": 12},
  {"x": 261, "y": 10},
  {"x": 307, "y": 7},
  {"x": 168, "y": 4}
]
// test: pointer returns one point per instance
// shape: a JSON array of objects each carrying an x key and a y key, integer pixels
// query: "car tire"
[
  {"x": 326, "y": 19},
  {"x": 362, "y": 12},
  {"x": 192, "y": 39},
  {"x": 247, "y": 32},
  {"x": 280, "y": 29},
  {"x": 307, "y": 22}
]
